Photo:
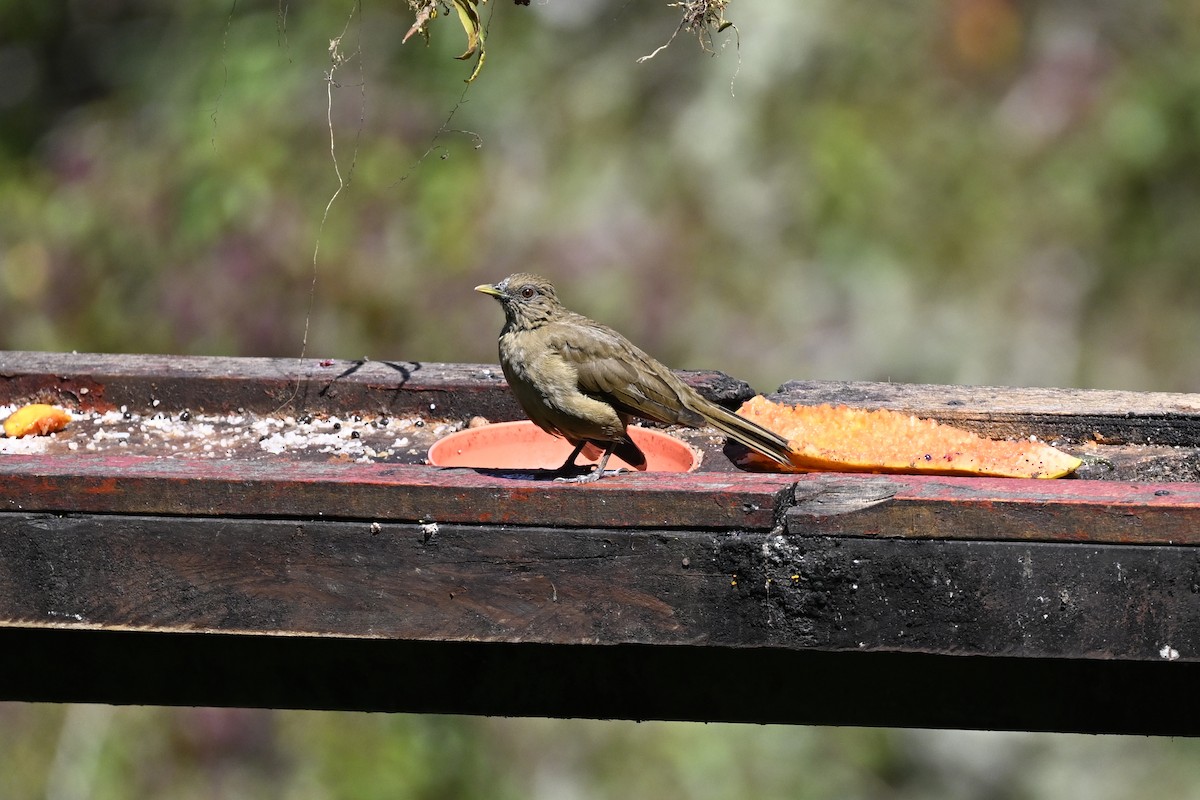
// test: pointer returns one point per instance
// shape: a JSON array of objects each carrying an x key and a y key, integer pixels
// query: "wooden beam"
[
  {"x": 701, "y": 683},
  {"x": 827, "y": 504},
  {"x": 246, "y": 577},
  {"x": 385, "y": 491},
  {"x": 615, "y": 624},
  {"x": 599, "y": 586},
  {"x": 909, "y": 506},
  {"x": 1103, "y": 416},
  {"x": 274, "y": 385}
]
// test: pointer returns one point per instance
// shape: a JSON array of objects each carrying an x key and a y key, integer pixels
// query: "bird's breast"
[
  {"x": 546, "y": 386},
  {"x": 533, "y": 368}
]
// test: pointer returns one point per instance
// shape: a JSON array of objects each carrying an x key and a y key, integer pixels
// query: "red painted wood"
[
  {"x": 147, "y": 485},
  {"x": 864, "y": 505},
  {"x": 823, "y": 503},
  {"x": 1008, "y": 490},
  {"x": 906, "y": 506},
  {"x": 121, "y": 554}
]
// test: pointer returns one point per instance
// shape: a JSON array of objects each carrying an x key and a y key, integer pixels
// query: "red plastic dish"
[{"x": 523, "y": 445}]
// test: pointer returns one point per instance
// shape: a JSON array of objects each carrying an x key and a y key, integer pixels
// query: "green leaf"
[{"x": 468, "y": 15}]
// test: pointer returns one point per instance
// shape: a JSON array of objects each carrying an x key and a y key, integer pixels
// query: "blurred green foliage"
[
  {"x": 108, "y": 753},
  {"x": 983, "y": 191}
]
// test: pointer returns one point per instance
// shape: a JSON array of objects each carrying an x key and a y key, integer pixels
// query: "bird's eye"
[{"x": 528, "y": 292}]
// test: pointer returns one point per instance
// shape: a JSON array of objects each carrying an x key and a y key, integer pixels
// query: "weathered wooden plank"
[
  {"x": 1139, "y": 463},
  {"x": 456, "y": 392},
  {"x": 384, "y": 491},
  {"x": 262, "y": 385},
  {"x": 821, "y": 504},
  {"x": 274, "y": 385},
  {"x": 978, "y": 598},
  {"x": 909, "y": 506},
  {"x": 1108, "y": 417},
  {"x": 981, "y": 602},
  {"x": 600, "y": 587},
  {"x": 618, "y": 682},
  {"x": 443, "y": 583}
]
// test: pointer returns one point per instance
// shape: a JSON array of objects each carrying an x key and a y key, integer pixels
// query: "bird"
[{"x": 584, "y": 381}]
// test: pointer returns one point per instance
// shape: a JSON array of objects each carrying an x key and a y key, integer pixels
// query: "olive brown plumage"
[{"x": 584, "y": 381}]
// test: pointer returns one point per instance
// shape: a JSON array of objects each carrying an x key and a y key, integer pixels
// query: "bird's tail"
[
  {"x": 750, "y": 434},
  {"x": 626, "y": 450},
  {"x": 631, "y": 454}
]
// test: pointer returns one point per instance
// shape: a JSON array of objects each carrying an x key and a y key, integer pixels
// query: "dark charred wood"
[
  {"x": 277, "y": 385},
  {"x": 651, "y": 624},
  {"x": 249, "y": 577},
  {"x": 600, "y": 587},
  {"x": 700, "y": 683}
]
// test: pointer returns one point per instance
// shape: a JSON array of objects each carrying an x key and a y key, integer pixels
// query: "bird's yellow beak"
[{"x": 487, "y": 288}]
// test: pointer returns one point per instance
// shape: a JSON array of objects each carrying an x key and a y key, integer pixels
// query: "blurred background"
[{"x": 963, "y": 191}]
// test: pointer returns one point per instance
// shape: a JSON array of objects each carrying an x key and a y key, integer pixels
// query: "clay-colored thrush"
[{"x": 583, "y": 381}]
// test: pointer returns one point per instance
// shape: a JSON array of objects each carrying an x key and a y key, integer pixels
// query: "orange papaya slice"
[
  {"x": 843, "y": 439},
  {"x": 36, "y": 419}
]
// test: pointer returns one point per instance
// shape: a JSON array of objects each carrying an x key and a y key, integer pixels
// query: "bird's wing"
[{"x": 610, "y": 367}]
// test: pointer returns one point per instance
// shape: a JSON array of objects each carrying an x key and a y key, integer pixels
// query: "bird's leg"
[
  {"x": 570, "y": 471},
  {"x": 604, "y": 459},
  {"x": 596, "y": 474},
  {"x": 569, "y": 464}
]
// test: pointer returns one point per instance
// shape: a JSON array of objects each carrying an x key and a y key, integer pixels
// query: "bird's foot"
[
  {"x": 572, "y": 473},
  {"x": 589, "y": 477}
]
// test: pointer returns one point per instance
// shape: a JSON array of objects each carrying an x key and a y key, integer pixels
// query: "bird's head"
[{"x": 528, "y": 300}]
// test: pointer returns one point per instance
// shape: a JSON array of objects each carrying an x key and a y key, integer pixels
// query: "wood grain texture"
[
  {"x": 976, "y": 598},
  {"x": 1109, "y": 417},
  {"x": 598, "y": 587},
  {"x": 827, "y": 504},
  {"x": 231, "y": 488},
  {"x": 272, "y": 385},
  {"x": 419, "y": 582},
  {"x": 909, "y": 506},
  {"x": 821, "y": 598}
]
